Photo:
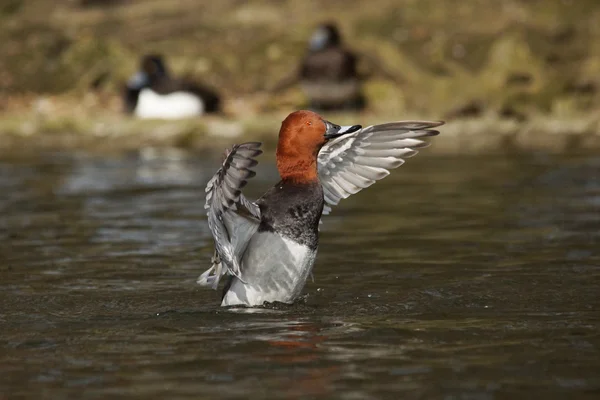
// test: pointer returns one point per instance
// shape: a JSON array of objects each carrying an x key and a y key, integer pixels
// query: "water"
[{"x": 455, "y": 278}]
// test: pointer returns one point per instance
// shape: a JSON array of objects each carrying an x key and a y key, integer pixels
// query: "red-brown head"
[{"x": 301, "y": 136}]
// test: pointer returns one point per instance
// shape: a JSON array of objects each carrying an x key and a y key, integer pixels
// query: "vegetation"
[{"x": 64, "y": 62}]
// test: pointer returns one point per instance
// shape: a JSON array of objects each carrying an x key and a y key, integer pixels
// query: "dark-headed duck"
[
  {"x": 328, "y": 73},
  {"x": 153, "y": 93}
]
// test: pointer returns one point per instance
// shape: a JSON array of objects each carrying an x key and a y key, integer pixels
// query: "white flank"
[
  {"x": 274, "y": 268},
  {"x": 168, "y": 106}
]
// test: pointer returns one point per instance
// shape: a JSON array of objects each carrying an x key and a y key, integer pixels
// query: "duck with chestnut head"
[{"x": 266, "y": 249}]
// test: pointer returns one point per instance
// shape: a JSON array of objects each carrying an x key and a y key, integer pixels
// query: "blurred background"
[
  {"x": 514, "y": 65},
  {"x": 471, "y": 272}
]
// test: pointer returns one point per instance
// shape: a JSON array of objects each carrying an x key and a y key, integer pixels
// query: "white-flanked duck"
[{"x": 153, "y": 93}]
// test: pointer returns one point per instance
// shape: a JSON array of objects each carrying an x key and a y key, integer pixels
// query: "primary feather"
[
  {"x": 232, "y": 218},
  {"x": 355, "y": 161}
]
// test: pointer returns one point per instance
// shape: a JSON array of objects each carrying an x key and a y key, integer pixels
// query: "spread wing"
[
  {"x": 355, "y": 161},
  {"x": 232, "y": 218}
]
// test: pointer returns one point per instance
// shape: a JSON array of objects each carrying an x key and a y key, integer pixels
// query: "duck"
[
  {"x": 328, "y": 73},
  {"x": 153, "y": 93},
  {"x": 265, "y": 249}
]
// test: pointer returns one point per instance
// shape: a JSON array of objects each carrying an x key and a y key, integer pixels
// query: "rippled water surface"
[{"x": 457, "y": 278}]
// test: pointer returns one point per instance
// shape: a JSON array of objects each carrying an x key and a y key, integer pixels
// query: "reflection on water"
[{"x": 454, "y": 278}]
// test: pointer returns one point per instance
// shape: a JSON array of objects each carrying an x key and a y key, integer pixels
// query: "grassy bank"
[
  {"x": 110, "y": 133},
  {"x": 513, "y": 73}
]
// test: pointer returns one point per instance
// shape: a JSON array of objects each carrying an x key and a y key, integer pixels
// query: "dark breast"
[
  {"x": 130, "y": 99},
  {"x": 333, "y": 65},
  {"x": 293, "y": 210}
]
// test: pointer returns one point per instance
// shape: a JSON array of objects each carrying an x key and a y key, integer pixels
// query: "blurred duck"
[
  {"x": 152, "y": 93},
  {"x": 328, "y": 73}
]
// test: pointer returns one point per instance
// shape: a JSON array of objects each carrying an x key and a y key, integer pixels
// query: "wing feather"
[
  {"x": 355, "y": 161},
  {"x": 232, "y": 218}
]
